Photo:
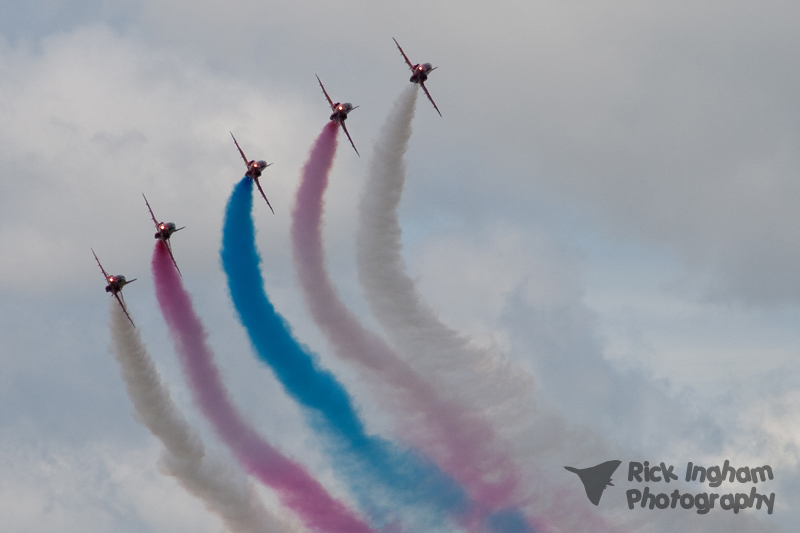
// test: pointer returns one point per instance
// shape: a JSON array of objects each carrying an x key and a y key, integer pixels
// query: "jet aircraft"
[
  {"x": 114, "y": 286},
  {"x": 164, "y": 231},
  {"x": 419, "y": 74},
  {"x": 254, "y": 169},
  {"x": 340, "y": 111}
]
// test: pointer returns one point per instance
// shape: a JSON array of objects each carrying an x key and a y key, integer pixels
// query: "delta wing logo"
[{"x": 596, "y": 478}]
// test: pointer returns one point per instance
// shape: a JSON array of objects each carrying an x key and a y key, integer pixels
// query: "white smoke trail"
[
  {"x": 481, "y": 380},
  {"x": 484, "y": 379},
  {"x": 221, "y": 486}
]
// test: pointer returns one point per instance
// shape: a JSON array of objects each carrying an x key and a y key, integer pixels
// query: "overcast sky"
[{"x": 610, "y": 198}]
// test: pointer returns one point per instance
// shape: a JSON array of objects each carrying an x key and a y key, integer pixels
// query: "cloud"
[
  {"x": 91, "y": 119},
  {"x": 91, "y": 488},
  {"x": 666, "y": 132}
]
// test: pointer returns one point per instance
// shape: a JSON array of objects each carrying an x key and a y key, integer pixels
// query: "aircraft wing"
[
  {"x": 151, "y": 211},
  {"x": 246, "y": 163},
  {"x": 262, "y": 194},
  {"x": 105, "y": 274},
  {"x": 325, "y": 92},
  {"x": 169, "y": 250},
  {"x": 404, "y": 54},
  {"x": 422, "y": 84},
  {"x": 349, "y": 138},
  {"x": 124, "y": 309}
]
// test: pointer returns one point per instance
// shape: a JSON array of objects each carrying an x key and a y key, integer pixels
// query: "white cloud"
[
  {"x": 91, "y": 488},
  {"x": 91, "y": 121},
  {"x": 667, "y": 132}
]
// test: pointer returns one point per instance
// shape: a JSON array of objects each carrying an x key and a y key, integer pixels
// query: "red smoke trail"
[
  {"x": 295, "y": 487},
  {"x": 462, "y": 444}
]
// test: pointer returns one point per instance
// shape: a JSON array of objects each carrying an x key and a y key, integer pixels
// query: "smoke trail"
[
  {"x": 478, "y": 379},
  {"x": 223, "y": 488},
  {"x": 460, "y": 442},
  {"x": 295, "y": 487},
  {"x": 384, "y": 478}
]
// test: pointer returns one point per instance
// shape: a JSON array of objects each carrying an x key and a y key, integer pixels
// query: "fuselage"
[
  {"x": 165, "y": 230},
  {"x": 340, "y": 111},
  {"x": 115, "y": 284},
  {"x": 254, "y": 169},
  {"x": 421, "y": 72}
]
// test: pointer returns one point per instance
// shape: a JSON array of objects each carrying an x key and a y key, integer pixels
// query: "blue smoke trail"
[{"x": 367, "y": 462}]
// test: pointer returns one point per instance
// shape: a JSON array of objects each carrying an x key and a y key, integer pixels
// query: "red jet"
[
  {"x": 340, "y": 112},
  {"x": 115, "y": 284},
  {"x": 420, "y": 74},
  {"x": 164, "y": 231},
  {"x": 254, "y": 169}
]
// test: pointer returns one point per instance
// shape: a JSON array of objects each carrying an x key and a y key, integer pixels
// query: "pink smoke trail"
[
  {"x": 297, "y": 490},
  {"x": 461, "y": 443}
]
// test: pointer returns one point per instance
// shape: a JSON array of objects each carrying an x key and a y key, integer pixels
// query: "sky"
[{"x": 608, "y": 200}]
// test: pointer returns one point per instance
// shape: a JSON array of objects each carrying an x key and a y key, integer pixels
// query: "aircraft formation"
[
  {"x": 164, "y": 230},
  {"x": 429, "y": 475}
]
